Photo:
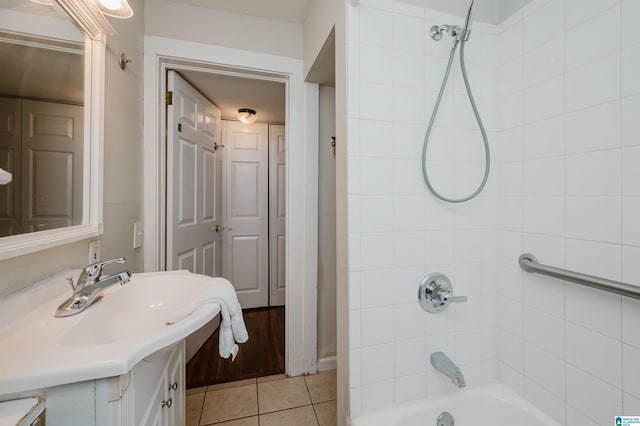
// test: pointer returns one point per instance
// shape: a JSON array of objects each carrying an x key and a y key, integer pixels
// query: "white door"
[
  {"x": 277, "y": 209},
  {"x": 52, "y": 151},
  {"x": 246, "y": 206},
  {"x": 10, "y": 160},
  {"x": 193, "y": 181}
]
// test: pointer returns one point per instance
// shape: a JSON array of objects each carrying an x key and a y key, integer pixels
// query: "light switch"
[{"x": 137, "y": 235}]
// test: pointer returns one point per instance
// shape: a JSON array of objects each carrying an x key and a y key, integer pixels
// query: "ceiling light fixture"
[
  {"x": 246, "y": 115},
  {"x": 115, "y": 8}
]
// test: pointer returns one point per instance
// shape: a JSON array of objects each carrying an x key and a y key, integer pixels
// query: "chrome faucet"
[
  {"x": 442, "y": 363},
  {"x": 90, "y": 286}
]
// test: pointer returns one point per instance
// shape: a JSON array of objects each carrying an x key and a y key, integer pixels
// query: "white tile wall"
[
  {"x": 398, "y": 231},
  {"x": 561, "y": 99},
  {"x": 580, "y": 187}
]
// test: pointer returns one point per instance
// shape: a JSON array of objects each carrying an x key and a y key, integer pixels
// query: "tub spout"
[{"x": 442, "y": 363}]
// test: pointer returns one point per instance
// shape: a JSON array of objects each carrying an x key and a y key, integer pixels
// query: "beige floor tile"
[
  {"x": 193, "y": 408},
  {"x": 247, "y": 421},
  {"x": 196, "y": 390},
  {"x": 322, "y": 386},
  {"x": 271, "y": 378},
  {"x": 229, "y": 404},
  {"x": 302, "y": 416},
  {"x": 282, "y": 394},
  {"x": 232, "y": 384},
  {"x": 326, "y": 413}
]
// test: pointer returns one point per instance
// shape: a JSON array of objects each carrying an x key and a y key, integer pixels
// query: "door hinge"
[{"x": 169, "y": 99}]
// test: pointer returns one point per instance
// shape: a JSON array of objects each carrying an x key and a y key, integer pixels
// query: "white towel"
[{"x": 232, "y": 327}]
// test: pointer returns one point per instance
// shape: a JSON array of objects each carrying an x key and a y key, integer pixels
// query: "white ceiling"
[
  {"x": 231, "y": 93},
  {"x": 279, "y": 10},
  {"x": 491, "y": 11}
]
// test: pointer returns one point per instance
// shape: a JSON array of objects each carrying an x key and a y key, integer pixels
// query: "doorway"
[
  {"x": 226, "y": 210},
  {"x": 300, "y": 172}
]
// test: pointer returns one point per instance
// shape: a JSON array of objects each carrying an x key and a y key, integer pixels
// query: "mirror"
[
  {"x": 51, "y": 106},
  {"x": 41, "y": 121}
]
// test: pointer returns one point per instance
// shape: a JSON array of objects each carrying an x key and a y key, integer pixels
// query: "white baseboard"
[{"x": 327, "y": 363}]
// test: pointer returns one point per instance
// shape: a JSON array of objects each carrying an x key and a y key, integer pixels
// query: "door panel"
[
  {"x": 245, "y": 186},
  {"x": 187, "y": 260},
  {"x": 10, "y": 160},
  {"x": 193, "y": 183},
  {"x": 245, "y": 254},
  {"x": 50, "y": 185},
  {"x": 246, "y": 206},
  {"x": 52, "y": 154},
  {"x": 187, "y": 178},
  {"x": 277, "y": 216},
  {"x": 208, "y": 190}
]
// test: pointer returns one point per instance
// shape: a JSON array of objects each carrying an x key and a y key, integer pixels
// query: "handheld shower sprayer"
[
  {"x": 461, "y": 36},
  {"x": 471, "y": 12}
]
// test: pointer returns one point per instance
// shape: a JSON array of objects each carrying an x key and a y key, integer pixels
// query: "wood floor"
[{"x": 261, "y": 355}]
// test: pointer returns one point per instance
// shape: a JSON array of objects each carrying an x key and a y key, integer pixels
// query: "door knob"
[{"x": 219, "y": 228}]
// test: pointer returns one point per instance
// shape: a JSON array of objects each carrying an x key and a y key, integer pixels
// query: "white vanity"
[{"x": 116, "y": 363}]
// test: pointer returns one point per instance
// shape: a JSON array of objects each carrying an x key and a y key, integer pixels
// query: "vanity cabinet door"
[
  {"x": 176, "y": 387},
  {"x": 156, "y": 411},
  {"x": 166, "y": 404}
]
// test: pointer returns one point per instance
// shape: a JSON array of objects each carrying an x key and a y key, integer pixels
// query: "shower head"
[{"x": 466, "y": 30}]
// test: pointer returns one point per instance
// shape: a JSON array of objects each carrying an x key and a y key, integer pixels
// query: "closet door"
[
  {"x": 10, "y": 160},
  {"x": 277, "y": 218},
  {"x": 52, "y": 151},
  {"x": 247, "y": 215}
]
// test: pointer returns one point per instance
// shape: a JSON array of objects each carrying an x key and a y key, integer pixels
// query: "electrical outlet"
[
  {"x": 137, "y": 235},
  {"x": 94, "y": 251}
]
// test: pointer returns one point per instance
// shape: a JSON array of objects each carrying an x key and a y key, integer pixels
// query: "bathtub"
[{"x": 488, "y": 405}]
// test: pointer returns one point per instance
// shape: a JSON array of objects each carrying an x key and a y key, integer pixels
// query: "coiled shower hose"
[{"x": 478, "y": 119}]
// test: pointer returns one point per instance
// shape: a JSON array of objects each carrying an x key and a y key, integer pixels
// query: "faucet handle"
[
  {"x": 448, "y": 298},
  {"x": 435, "y": 293},
  {"x": 94, "y": 270}
]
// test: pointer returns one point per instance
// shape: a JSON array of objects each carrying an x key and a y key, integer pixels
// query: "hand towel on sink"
[{"x": 232, "y": 327}]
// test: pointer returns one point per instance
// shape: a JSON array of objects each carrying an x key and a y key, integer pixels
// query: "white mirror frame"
[{"x": 95, "y": 29}]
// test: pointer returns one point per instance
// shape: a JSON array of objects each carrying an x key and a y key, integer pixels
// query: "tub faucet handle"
[
  {"x": 435, "y": 293},
  {"x": 448, "y": 298}
]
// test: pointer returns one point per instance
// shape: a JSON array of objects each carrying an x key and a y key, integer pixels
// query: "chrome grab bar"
[{"x": 529, "y": 263}]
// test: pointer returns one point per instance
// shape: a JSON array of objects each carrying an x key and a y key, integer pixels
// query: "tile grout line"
[{"x": 313, "y": 407}]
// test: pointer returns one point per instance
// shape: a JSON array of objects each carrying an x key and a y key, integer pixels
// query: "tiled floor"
[{"x": 266, "y": 401}]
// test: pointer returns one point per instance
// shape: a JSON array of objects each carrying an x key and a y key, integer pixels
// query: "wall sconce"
[
  {"x": 246, "y": 115},
  {"x": 115, "y": 8}
]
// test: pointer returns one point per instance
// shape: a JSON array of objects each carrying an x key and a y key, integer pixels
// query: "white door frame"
[{"x": 301, "y": 172}]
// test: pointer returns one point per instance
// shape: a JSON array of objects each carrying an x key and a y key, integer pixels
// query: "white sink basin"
[
  {"x": 133, "y": 311},
  {"x": 108, "y": 338}
]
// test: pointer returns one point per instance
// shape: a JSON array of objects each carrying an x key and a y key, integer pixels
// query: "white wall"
[
  {"x": 321, "y": 18},
  {"x": 326, "y": 226},
  {"x": 123, "y": 140},
  {"x": 122, "y": 169},
  {"x": 568, "y": 192},
  {"x": 210, "y": 26},
  {"x": 398, "y": 231}
]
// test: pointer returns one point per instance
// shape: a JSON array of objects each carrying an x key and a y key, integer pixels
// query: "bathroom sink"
[
  {"x": 129, "y": 324},
  {"x": 135, "y": 310}
]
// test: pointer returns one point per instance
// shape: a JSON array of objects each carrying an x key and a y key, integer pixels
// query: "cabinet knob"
[
  {"x": 173, "y": 386},
  {"x": 168, "y": 403}
]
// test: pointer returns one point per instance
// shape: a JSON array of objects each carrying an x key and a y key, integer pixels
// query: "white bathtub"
[{"x": 488, "y": 405}]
